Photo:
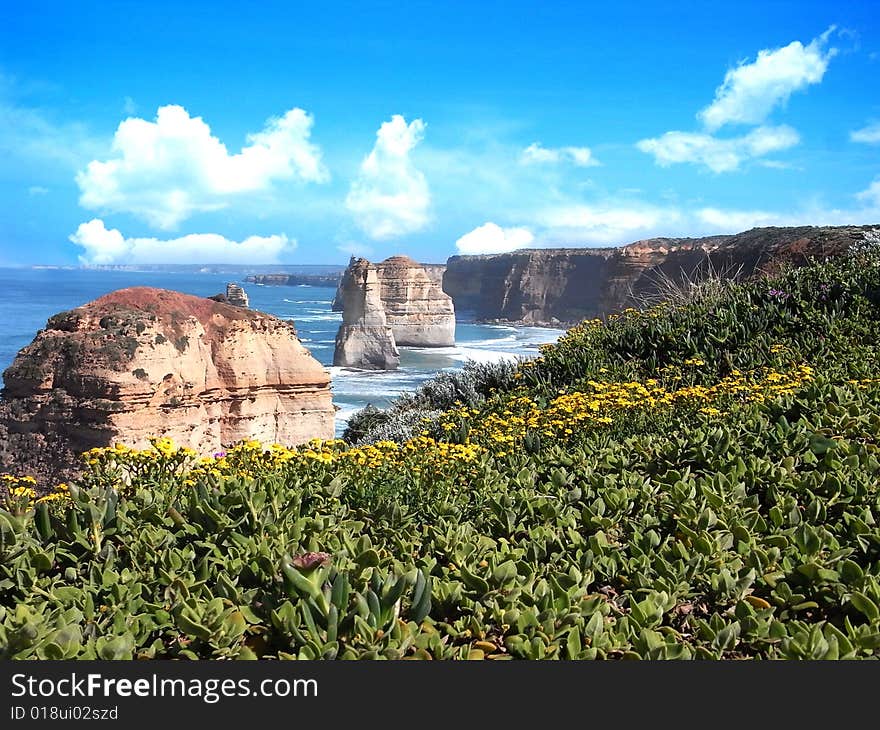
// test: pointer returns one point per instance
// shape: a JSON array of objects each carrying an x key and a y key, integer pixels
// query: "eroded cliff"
[
  {"x": 141, "y": 363},
  {"x": 566, "y": 285},
  {"x": 365, "y": 338}
]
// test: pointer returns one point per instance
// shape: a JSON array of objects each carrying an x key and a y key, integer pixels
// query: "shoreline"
[{"x": 553, "y": 325}]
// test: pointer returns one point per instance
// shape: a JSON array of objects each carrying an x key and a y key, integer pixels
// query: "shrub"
[{"x": 469, "y": 386}]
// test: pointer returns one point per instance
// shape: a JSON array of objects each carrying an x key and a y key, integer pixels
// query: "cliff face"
[
  {"x": 419, "y": 311},
  {"x": 547, "y": 286},
  {"x": 141, "y": 363},
  {"x": 365, "y": 338}
]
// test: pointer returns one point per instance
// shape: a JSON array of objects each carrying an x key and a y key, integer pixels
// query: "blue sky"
[{"x": 283, "y": 132}]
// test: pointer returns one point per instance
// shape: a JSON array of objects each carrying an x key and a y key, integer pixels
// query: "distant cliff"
[
  {"x": 566, "y": 285},
  {"x": 328, "y": 280},
  {"x": 142, "y": 362}
]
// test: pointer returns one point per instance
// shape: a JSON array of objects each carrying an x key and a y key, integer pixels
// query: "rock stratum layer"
[
  {"x": 141, "y": 363},
  {"x": 399, "y": 294},
  {"x": 566, "y": 285},
  {"x": 420, "y": 313},
  {"x": 365, "y": 339}
]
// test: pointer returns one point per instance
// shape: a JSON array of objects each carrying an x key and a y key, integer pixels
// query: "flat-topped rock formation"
[
  {"x": 141, "y": 363},
  {"x": 327, "y": 280},
  {"x": 419, "y": 311},
  {"x": 365, "y": 338},
  {"x": 566, "y": 285}
]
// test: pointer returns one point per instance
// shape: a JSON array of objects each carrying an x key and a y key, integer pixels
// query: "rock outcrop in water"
[
  {"x": 566, "y": 285},
  {"x": 395, "y": 302},
  {"x": 419, "y": 311},
  {"x": 365, "y": 338},
  {"x": 141, "y": 363},
  {"x": 236, "y": 296}
]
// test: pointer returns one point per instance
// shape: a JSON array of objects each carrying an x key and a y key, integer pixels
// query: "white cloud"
[
  {"x": 31, "y": 136},
  {"x": 604, "y": 224},
  {"x": 355, "y": 248},
  {"x": 535, "y": 153},
  {"x": 390, "y": 196},
  {"x": 166, "y": 170},
  {"x": 752, "y": 90},
  {"x": 778, "y": 165},
  {"x": 492, "y": 238},
  {"x": 719, "y": 155},
  {"x": 129, "y": 106},
  {"x": 616, "y": 222},
  {"x": 871, "y": 196},
  {"x": 867, "y": 135},
  {"x": 866, "y": 211},
  {"x": 37, "y": 190},
  {"x": 734, "y": 221},
  {"x": 109, "y": 246}
]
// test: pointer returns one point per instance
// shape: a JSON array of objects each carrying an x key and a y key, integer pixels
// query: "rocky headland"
[
  {"x": 407, "y": 298},
  {"x": 565, "y": 285},
  {"x": 141, "y": 363}
]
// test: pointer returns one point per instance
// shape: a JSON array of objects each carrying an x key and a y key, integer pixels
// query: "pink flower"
[{"x": 310, "y": 561}]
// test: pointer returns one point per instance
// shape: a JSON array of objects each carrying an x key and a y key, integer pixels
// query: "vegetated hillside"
[{"x": 699, "y": 480}]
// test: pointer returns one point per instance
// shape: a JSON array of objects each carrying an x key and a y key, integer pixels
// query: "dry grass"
[{"x": 704, "y": 282}]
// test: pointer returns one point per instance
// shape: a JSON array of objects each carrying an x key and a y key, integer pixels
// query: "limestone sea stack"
[
  {"x": 141, "y": 363},
  {"x": 236, "y": 296},
  {"x": 365, "y": 339},
  {"x": 419, "y": 311}
]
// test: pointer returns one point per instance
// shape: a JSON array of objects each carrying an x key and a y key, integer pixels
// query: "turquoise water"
[{"x": 31, "y": 296}]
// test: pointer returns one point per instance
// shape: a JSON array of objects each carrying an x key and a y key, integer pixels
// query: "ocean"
[{"x": 29, "y": 296}]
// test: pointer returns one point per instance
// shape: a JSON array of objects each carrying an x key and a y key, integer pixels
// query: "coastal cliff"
[
  {"x": 141, "y": 363},
  {"x": 566, "y": 285},
  {"x": 365, "y": 338}
]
